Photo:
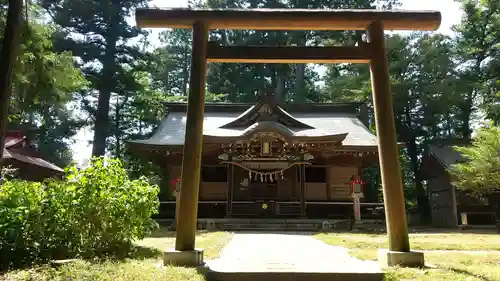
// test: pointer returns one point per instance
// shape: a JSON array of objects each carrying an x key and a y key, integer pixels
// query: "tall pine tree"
[{"x": 98, "y": 33}]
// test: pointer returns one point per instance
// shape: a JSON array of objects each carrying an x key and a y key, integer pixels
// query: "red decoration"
[
  {"x": 357, "y": 182},
  {"x": 174, "y": 183}
]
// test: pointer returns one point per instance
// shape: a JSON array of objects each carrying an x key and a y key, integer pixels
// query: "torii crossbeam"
[{"x": 372, "y": 52}]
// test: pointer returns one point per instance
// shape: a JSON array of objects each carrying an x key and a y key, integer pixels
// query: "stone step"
[
  {"x": 268, "y": 226},
  {"x": 293, "y": 276}
]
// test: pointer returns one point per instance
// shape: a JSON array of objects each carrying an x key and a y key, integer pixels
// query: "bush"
[
  {"x": 93, "y": 211},
  {"x": 20, "y": 229}
]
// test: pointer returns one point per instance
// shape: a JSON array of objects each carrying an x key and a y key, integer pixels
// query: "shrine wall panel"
[
  {"x": 338, "y": 181},
  {"x": 316, "y": 191},
  {"x": 175, "y": 172},
  {"x": 241, "y": 185},
  {"x": 213, "y": 191},
  {"x": 287, "y": 185},
  {"x": 208, "y": 190}
]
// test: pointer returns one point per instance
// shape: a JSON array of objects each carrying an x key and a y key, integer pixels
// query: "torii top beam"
[{"x": 288, "y": 19}]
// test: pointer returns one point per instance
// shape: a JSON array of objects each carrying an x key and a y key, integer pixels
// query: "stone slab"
[
  {"x": 404, "y": 259},
  {"x": 288, "y": 257},
  {"x": 292, "y": 276},
  {"x": 183, "y": 258}
]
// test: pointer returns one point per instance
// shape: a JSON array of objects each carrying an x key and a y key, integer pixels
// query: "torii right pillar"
[{"x": 395, "y": 214}]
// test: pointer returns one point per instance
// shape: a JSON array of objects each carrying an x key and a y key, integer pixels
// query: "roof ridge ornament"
[
  {"x": 267, "y": 97},
  {"x": 266, "y": 110}
]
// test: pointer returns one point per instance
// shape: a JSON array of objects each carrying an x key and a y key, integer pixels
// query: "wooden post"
[
  {"x": 302, "y": 168},
  {"x": 230, "y": 184},
  {"x": 356, "y": 207},
  {"x": 397, "y": 228},
  {"x": 175, "y": 193},
  {"x": 193, "y": 142}
]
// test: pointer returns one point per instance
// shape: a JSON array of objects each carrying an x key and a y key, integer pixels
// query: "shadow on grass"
[
  {"x": 393, "y": 276},
  {"x": 465, "y": 272},
  {"x": 140, "y": 253},
  {"x": 116, "y": 254},
  {"x": 162, "y": 232},
  {"x": 166, "y": 232}
]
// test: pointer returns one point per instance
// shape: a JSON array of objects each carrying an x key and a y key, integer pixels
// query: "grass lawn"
[
  {"x": 454, "y": 266},
  {"x": 420, "y": 241},
  {"x": 144, "y": 264}
]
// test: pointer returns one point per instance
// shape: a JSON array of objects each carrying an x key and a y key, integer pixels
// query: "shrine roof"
[
  {"x": 13, "y": 155},
  {"x": 446, "y": 155},
  {"x": 319, "y": 120},
  {"x": 13, "y": 138},
  {"x": 16, "y": 150}
]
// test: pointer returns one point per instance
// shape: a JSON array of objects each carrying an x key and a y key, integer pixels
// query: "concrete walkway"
[{"x": 287, "y": 253}]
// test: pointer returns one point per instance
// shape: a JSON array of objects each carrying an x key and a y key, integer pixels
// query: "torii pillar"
[
  {"x": 390, "y": 169},
  {"x": 372, "y": 52}
]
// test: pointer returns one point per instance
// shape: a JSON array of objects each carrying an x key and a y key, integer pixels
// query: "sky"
[{"x": 450, "y": 13}]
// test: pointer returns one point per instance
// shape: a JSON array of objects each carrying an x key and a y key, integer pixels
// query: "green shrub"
[
  {"x": 20, "y": 229},
  {"x": 93, "y": 211}
]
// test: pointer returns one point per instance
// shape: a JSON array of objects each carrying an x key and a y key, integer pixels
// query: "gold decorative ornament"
[{"x": 265, "y": 148}]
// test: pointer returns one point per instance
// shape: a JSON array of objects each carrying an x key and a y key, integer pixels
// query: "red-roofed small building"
[{"x": 26, "y": 160}]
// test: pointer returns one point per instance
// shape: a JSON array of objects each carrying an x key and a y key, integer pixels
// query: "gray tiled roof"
[
  {"x": 172, "y": 129},
  {"x": 445, "y": 154}
]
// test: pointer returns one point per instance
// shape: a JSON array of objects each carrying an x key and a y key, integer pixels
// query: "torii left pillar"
[{"x": 185, "y": 253}]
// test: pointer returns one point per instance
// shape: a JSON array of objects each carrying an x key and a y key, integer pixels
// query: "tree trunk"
[
  {"x": 471, "y": 96},
  {"x": 422, "y": 199},
  {"x": 496, "y": 202},
  {"x": 467, "y": 115},
  {"x": 101, "y": 123},
  {"x": 497, "y": 217},
  {"x": 185, "y": 70},
  {"x": 300, "y": 89},
  {"x": 411, "y": 144},
  {"x": 280, "y": 88},
  {"x": 7, "y": 59},
  {"x": 106, "y": 87},
  {"x": 117, "y": 128}
]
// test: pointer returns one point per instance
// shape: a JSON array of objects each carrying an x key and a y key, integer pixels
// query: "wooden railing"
[
  {"x": 244, "y": 208},
  {"x": 277, "y": 208},
  {"x": 288, "y": 208},
  {"x": 285, "y": 202}
]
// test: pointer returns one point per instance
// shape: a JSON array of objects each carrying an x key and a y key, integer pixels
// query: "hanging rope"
[{"x": 265, "y": 174}]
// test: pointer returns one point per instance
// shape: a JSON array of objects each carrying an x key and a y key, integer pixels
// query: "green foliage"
[
  {"x": 99, "y": 35},
  {"x": 425, "y": 97},
  {"x": 21, "y": 229},
  {"x": 44, "y": 82},
  {"x": 94, "y": 211},
  {"x": 478, "y": 41},
  {"x": 480, "y": 173},
  {"x": 295, "y": 83}
]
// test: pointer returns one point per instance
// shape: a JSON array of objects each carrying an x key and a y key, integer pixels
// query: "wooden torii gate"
[{"x": 372, "y": 52}]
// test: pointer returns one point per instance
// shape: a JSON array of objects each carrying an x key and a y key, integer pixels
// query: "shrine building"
[{"x": 268, "y": 160}]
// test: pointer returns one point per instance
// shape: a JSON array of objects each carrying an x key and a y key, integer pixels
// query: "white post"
[
  {"x": 357, "y": 207},
  {"x": 464, "y": 219}
]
